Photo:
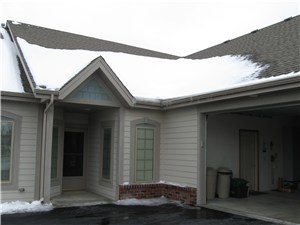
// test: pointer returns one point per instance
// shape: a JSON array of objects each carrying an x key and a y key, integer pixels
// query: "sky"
[{"x": 179, "y": 27}]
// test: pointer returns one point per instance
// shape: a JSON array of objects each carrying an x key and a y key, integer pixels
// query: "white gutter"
[{"x": 50, "y": 103}]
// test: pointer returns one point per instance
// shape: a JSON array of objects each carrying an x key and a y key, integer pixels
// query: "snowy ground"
[
  {"x": 24, "y": 207},
  {"x": 37, "y": 206}
]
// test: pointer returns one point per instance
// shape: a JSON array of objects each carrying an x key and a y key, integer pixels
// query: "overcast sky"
[{"x": 179, "y": 27}]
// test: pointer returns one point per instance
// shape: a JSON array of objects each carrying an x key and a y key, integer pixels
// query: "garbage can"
[
  {"x": 239, "y": 188},
  {"x": 224, "y": 178},
  {"x": 211, "y": 181}
]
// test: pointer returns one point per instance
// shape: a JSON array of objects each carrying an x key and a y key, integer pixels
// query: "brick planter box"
[{"x": 185, "y": 195}]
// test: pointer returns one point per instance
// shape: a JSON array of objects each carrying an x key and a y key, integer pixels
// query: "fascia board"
[
  {"x": 116, "y": 82},
  {"x": 23, "y": 97},
  {"x": 22, "y": 59},
  {"x": 251, "y": 90}
]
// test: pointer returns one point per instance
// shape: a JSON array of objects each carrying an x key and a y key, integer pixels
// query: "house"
[{"x": 79, "y": 113}]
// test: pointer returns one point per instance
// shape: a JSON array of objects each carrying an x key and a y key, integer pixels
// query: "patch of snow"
[
  {"x": 24, "y": 207},
  {"x": 172, "y": 183},
  {"x": 146, "y": 202},
  {"x": 145, "y": 77},
  {"x": 125, "y": 183},
  {"x": 16, "y": 23},
  {"x": 156, "y": 78},
  {"x": 54, "y": 67},
  {"x": 10, "y": 72}
]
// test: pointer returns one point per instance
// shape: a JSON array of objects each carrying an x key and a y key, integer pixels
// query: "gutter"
[
  {"x": 253, "y": 90},
  {"x": 49, "y": 104}
]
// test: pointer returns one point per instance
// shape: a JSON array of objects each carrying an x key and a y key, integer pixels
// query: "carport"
[
  {"x": 270, "y": 136},
  {"x": 265, "y": 122}
]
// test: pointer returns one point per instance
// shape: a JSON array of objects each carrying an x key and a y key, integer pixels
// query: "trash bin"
[
  {"x": 211, "y": 181},
  {"x": 224, "y": 178},
  {"x": 239, "y": 188}
]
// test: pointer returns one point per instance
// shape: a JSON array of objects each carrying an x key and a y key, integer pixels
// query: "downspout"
[{"x": 50, "y": 103}]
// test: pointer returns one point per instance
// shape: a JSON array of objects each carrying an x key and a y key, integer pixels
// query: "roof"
[
  {"x": 270, "y": 52},
  {"x": 56, "y": 39},
  {"x": 277, "y": 45}
]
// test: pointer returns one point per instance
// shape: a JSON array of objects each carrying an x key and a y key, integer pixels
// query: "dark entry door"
[
  {"x": 249, "y": 157},
  {"x": 73, "y": 163}
]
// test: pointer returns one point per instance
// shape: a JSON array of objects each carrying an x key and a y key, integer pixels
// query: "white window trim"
[
  {"x": 144, "y": 122},
  {"x": 143, "y": 126},
  {"x": 12, "y": 184},
  {"x": 104, "y": 181}
]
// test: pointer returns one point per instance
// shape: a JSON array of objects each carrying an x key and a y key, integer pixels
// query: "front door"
[
  {"x": 73, "y": 162},
  {"x": 249, "y": 157}
]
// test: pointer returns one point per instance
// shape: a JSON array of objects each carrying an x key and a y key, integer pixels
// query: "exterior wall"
[
  {"x": 94, "y": 183},
  {"x": 178, "y": 155},
  {"x": 28, "y": 150},
  {"x": 186, "y": 195},
  {"x": 129, "y": 116},
  {"x": 223, "y": 144},
  {"x": 179, "y": 147}
]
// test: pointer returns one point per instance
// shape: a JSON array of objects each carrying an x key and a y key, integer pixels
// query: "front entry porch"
[{"x": 78, "y": 198}]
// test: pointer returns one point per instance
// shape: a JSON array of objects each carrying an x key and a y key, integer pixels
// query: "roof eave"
[
  {"x": 250, "y": 90},
  {"x": 22, "y": 58}
]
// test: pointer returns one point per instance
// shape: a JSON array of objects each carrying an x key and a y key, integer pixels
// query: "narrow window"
[
  {"x": 106, "y": 153},
  {"x": 7, "y": 127},
  {"x": 54, "y": 155},
  {"x": 144, "y": 154}
]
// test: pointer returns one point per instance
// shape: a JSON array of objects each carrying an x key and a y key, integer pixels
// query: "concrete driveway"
[{"x": 167, "y": 214}]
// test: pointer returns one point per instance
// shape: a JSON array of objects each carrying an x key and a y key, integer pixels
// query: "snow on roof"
[
  {"x": 10, "y": 72},
  {"x": 144, "y": 77}
]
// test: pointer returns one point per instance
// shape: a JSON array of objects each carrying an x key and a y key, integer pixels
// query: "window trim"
[
  {"x": 145, "y": 126},
  {"x": 13, "y": 183},
  {"x": 58, "y": 180},
  {"x": 144, "y": 122},
  {"x": 102, "y": 180}
]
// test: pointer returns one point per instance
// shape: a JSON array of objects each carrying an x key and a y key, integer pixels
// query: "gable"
[{"x": 93, "y": 91}]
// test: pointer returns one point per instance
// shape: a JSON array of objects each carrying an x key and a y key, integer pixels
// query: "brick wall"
[{"x": 183, "y": 194}]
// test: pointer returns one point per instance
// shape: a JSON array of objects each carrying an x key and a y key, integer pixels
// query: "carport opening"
[{"x": 260, "y": 146}]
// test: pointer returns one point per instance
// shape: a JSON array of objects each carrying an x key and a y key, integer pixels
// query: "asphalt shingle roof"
[
  {"x": 277, "y": 45},
  {"x": 63, "y": 40}
]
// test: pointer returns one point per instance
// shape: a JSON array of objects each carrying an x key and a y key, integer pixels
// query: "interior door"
[
  {"x": 249, "y": 157},
  {"x": 73, "y": 162}
]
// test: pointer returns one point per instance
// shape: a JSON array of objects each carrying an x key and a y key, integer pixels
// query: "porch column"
[
  {"x": 47, "y": 152},
  {"x": 201, "y": 184}
]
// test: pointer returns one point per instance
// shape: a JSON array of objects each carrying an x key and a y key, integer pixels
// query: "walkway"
[{"x": 78, "y": 198}]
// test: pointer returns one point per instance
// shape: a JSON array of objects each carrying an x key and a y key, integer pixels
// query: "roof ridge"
[{"x": 12, "y": 24}]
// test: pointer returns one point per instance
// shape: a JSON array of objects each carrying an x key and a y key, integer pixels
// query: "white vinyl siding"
[
  {"x": 27, "y": 148},
  {"x": 179, "y": 147},
  {"x": 128, "y": 141},
  {"x": 54, "y": 155},
  {"x": 7, "y": 136},
  {"x": 95, "y": 182}
]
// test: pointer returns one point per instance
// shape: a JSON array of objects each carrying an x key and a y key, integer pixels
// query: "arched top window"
[{"x": 145, "y": 137}]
